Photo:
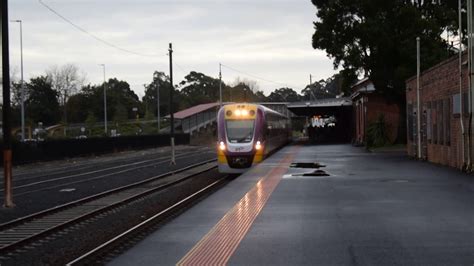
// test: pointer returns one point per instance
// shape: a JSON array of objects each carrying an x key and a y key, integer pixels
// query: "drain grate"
[{"x": 307, "y": 165}]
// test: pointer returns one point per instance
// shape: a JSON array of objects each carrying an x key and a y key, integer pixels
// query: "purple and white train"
[{"x": 247, "y": 133}]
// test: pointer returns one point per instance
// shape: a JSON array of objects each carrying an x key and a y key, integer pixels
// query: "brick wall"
[
  {"x": 375, "y": 105},
  {"x": 437, "y": 85}
]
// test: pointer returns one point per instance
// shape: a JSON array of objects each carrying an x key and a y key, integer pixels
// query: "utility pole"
[
  {"x": 220, "y": 85},
  {"x": 418, "y": 105},
  {"x": 461, "y": 98},
  {"x": 22, "y": 82},
  {"x": 471, "y": 87},
  {"x": 105, "y": 101},
  {"x": 155, "y": 77},
  {"x": 173, "y": 161},
  {"x": 6, "y": 127}
]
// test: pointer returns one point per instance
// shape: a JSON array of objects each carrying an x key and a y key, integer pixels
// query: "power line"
[
  {"x": 180, "y": 67},
  {"x": 93, "y": 35}
]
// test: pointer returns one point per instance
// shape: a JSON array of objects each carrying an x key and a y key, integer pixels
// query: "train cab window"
[{"x": 240, "y": 131}]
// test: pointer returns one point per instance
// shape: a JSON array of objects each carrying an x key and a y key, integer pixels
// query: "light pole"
[
  {"x": 220, "y": 85},
  {"x": 155, "y": 79},
  {"x": 105, "y": 102},
  {"x": 173, "y": 161},
  {"x": 418, "y": 105},
  {"x": 22, "y": 88},
  {"x": 6, "y": 110},
  {"x": 310, "y": 88}
]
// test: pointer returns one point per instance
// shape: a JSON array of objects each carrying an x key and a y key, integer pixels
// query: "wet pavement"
[{"x": 369, "y": 209}]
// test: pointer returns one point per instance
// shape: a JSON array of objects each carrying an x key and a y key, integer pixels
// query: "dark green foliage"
[
  {"x": 324, "y": 89},
  {"x": 377, "y": 133},
  {"x": 378, "y": 38},
  {"x": 150, "y": 99},
  {"x": 284, "y": 95},
  {"x": 42, "y": 102},
  {"x": 91, "y": 99},
  {"x": 198, "y": 88},
  {"x": 90, "y": 121}
]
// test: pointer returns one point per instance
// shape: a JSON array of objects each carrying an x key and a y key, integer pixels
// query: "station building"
[
  {"x": 441, "y": 95},
  {"x": 368, "y": 106}
]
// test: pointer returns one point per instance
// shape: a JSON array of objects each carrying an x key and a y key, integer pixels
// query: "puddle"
[
  {"x": 307, "y": 165},
  {"x": 313, "y": 173}
]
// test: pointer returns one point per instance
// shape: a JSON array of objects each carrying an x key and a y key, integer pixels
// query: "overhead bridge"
[
  {"x": 194, "y": 119},
  {"x": 201, "y": 116},
  {"x": 336, "y": 110}
]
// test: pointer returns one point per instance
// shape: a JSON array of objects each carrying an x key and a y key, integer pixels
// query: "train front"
[{"x": 240, "y": 142}]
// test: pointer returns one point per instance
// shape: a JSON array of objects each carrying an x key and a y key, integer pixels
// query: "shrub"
[{"x": 377, "y": 135}]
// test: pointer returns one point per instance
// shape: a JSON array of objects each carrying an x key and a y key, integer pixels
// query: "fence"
[{"x": 67, "y": 148}]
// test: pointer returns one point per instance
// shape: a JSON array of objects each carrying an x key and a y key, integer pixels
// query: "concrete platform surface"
[{"x": 372, "y": 209}]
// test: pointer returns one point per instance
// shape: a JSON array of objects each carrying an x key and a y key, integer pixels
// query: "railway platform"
[{"x": 324, "y": 205}]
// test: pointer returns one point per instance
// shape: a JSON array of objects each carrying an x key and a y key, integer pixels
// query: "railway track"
[
  {"x": 99, "y": 253},
  {"x": 39, "y": 226},
  {"x": 23, "y": 182},
  {"x": 76, "y": 179}
]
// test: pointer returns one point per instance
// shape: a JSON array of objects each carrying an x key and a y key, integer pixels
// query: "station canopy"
[{"x": 329, "y": 106}]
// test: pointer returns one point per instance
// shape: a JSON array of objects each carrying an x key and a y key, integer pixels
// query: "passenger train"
[{"x": 247, "y": 133}]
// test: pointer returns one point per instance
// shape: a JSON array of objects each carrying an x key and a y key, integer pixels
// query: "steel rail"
[
  {"x": 93, "y": 171},
  {"x": 134, "y": 230},
  {"x": 88, "y": 179},
  {"x": 83, "y": 163},
  {"x": 24, "y": 230}
]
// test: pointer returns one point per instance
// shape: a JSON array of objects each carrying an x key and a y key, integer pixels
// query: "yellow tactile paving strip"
[{"x": 218, "y": 245}]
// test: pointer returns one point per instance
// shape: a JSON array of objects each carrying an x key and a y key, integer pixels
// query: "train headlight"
[
  {"x": 245, "y": 113},
  {"x": 258, "y": 145},
  {"x": 222, "y": 146},
  {"x": 238, "y": 112}
]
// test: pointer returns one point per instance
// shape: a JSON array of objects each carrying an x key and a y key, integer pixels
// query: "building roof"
[
  {"x": 360, "y": 82},
  {"x": 194, "y": 110},
  {"x": 363, "y": 86},
  {"x": 330, "y": 102}
]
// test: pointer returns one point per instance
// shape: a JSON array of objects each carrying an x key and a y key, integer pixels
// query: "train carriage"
[{"x": 247, "y": 133}]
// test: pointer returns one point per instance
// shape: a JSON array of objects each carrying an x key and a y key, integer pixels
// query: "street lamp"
[
  {"x": 220, "y": 85},
  {"x": 155, "y": 79},
  {"x": 105, "y": 102},
  {"x": 22, "y": 89}
]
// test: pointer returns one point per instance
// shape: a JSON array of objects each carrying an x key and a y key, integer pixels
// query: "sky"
[{"x": 266, "y": 39}]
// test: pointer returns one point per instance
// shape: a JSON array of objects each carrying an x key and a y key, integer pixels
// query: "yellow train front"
[{"x": 247, "y": 133}]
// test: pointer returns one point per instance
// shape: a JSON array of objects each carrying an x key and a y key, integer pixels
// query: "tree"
[
  {"x": 78, "y": 107},
  {"x": 90, "y": 121},
  {"x": 161, "y": 81},
  {"x": 120, "y": 114},
  {"x": 284, "y": 95},
  {"x": 66, "y": 81},
  {"x": 245, "y": 90},
  {"x": 260, "y": 96},
  {"x": 120, "y": 98},
  {"x": 198, "y": 88},
  {"x": 42, "y": 102},
  {"x": 328, "y": 88},
  {"x": 377, "y": 39}
]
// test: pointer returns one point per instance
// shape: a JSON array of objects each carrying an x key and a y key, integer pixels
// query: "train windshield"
[{"x": 240, "y": 131}]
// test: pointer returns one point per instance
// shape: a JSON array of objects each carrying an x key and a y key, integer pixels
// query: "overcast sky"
[{"x": 270, "y": 39}]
